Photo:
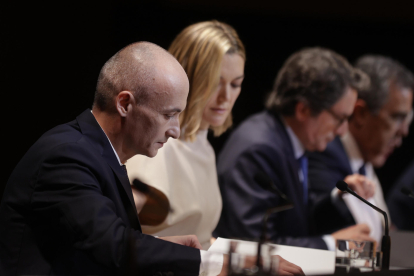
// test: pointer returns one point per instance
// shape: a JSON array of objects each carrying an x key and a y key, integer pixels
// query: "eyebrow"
[
  {"x": 173, "y": 110},
  {"x": 242, "y": 76}
]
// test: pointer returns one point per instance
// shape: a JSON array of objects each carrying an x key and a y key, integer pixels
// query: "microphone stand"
[
  {"x": 386, "y": 239},
  {"x": 266, "y": 183},
  {"x": 263, "y": 235}
]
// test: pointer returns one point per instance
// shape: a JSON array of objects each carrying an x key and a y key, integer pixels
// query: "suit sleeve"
[
  {"x": 245, "y": 201},
  {"x": 70, "y": 198}
]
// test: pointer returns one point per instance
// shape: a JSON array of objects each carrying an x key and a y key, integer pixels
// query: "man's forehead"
[
  {"x": 168, "y": 100},
  {"x": 400, "y": 95},
  {"x": 405, "y": 91},
  {"x": 345, "y": 105}
]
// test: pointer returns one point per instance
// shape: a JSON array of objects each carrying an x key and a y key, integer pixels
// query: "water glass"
[{"x": 355, "y": 256}]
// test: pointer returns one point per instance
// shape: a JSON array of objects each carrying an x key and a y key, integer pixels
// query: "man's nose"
[
  {"x": 405, "y": 125},
  {"x": 404, "y": 129},
  {"x": 174, "y": 130},
  {"x": 342, "y": 129}
]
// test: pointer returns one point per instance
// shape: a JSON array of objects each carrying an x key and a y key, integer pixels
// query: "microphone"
[
  {"x": 266, "y": 183},
  {"x": 386, "y": 239},
  {"x": 407, "y": 192},
  {"x": 156, "y": 207},
  {"x": 141, "y": 186}
]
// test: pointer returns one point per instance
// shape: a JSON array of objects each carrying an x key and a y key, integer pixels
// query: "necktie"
[
  {"x": 303, "y": 161},
  {"x": 362, "y": 170}
]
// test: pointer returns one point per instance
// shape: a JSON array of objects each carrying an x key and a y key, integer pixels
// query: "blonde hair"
[{"x": 200, "y": 49}]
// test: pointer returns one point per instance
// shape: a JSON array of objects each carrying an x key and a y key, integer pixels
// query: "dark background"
[{"x": 51, "y": 54}]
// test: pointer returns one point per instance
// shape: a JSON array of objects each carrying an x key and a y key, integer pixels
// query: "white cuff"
[
  {"x": 330, "y": 242},
  {"x": 211, "y": 263},
  {"x": 334, "y": 194}
]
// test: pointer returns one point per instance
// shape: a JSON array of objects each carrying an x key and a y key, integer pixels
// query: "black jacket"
[{"x": 68, "y": 210}]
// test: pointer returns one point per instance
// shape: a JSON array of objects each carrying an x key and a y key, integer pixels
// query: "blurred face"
[
  {"x": 152, "y": 123},
  {"x": 322, "y": 129},
  {"x": 221, "y": 102},
  {"x": 383, "y": 132}
]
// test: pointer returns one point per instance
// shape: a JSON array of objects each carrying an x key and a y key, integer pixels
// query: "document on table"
[{"x": 312, "y": 261}]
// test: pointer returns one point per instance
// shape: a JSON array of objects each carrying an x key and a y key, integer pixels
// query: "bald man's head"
[{"x": 135, "y": 69}]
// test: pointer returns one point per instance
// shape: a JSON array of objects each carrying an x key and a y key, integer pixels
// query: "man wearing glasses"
[
  {"x": 313, "y": 96},
  {"x": 381, "y": 118}
]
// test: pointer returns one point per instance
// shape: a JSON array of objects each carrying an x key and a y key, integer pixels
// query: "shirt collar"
[
  {"x": 116, "y": 154},
  {"x": 354, "y": 154},
  {"x": 298, "y": 147}
]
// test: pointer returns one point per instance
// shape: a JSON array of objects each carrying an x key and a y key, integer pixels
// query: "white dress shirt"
[{"x": 361, "y": 212}]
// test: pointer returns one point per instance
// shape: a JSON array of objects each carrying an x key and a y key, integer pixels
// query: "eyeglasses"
[{"x": 340, "y": 119}]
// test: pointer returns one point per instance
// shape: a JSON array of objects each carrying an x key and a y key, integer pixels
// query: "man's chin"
[
  {"x": 149, "y": 153},
  {"x": 319, "y": 147},
  {"x": 152, "y": 153},
  {"x": 379, "y": 161}
]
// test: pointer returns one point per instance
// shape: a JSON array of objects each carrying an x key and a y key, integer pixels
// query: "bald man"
[{"x": 68, "y": 208}]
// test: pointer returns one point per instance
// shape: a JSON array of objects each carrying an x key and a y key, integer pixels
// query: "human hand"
[
  {"x": 359, "y": 232},
  {"x": 361, "y": 185},
  {"x": 188, "y": 240},
  {"x": 212, "y": 240},
  {"x": 288, "y": 268},
  {"x": 283, "y": 268}
]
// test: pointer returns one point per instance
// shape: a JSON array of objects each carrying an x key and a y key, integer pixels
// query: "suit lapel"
[
  {"x": 123, "y": 179},
  {"x": 94, "y": 132},
  {"x": 290, "y": 156}
]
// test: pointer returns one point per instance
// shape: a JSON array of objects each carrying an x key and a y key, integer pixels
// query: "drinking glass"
[
  {"x": 354, "y": 255},
  {"x": 241, "y": 264}
]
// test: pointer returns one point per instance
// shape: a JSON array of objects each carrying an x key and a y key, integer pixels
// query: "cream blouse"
[{"x": 186, "y": 173}]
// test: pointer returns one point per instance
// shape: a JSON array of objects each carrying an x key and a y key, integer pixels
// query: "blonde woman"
[{"x": 184, "y": 170}]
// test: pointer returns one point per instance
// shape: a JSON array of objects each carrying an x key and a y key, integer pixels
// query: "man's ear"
[
  {"x": 124, "y": 100},
  {"x": 360, "y": 114},
  {"x": 302, "y": 112}
]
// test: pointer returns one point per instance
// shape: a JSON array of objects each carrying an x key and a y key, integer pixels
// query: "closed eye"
[
  {"x": 399, "y": 117},
  {"x": 171, "y": 112},
  {"x": 169, "y": 115}
]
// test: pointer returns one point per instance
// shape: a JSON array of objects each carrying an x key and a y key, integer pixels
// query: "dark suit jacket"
[
  {"x": 261, "y": 144},
  {"x": 325, "y": 169},
  {"x": 68, "y": 210},
  {"x": 401, "y": 206}
]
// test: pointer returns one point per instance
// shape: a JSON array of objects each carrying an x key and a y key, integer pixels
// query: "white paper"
[
  {"x": 363, "y": 213},
  {"x": 312, "y": 261}
]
